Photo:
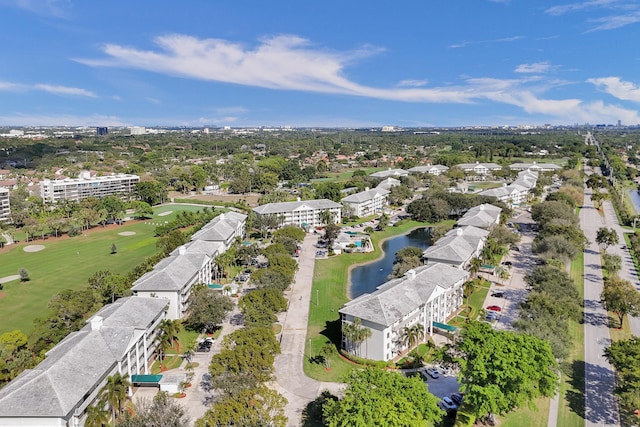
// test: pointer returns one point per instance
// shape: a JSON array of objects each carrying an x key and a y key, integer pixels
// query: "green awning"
[
  {"x": 444, "y": 326},
  {"x": 146, "y": 379},
  {"x": 215, "y": 286}
]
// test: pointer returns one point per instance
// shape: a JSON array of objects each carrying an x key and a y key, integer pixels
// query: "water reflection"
[
  {"x": 365, "y": 278},
  {"x": 635, "y": 198}
]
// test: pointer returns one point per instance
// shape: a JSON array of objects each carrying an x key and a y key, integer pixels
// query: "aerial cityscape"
[{"x": 254, "y": 214}]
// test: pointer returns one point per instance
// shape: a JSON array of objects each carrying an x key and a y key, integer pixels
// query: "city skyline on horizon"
[{"x": 487, "y": 63}]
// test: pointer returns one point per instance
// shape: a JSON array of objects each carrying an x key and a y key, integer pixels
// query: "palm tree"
[
  {"x": 467, "y": 289},
  {"x": 97, "y": 416},
  {"x": 164, "y": 345},
  {"x": 412, "y": 335},
  {"x": 355, "y": 333},
  {"x": 474, "y": 266},
  {"x": 171, "y": 328},
  {"x": 115, "y": 392}
]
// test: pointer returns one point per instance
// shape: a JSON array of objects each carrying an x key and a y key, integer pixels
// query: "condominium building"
[
  {"x": 5, "y": 208},
  {"x": 120, "y": 338},
  {"x": 303, "y": 213},
  {"x": 427, "y": 296},
  {"x": 367, "y": 202},
  {"x": 76, "y": 189}
]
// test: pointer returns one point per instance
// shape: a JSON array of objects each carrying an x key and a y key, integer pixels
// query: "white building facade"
[
  {"x": 303, "y": 213},
  {"x": 368, "y": 202},
  {"x": 5, "y": 206},
  {"x": 76, "y": 189}
]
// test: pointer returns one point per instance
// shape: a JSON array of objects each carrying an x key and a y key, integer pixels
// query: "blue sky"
[{"x": 311, "y": 63}]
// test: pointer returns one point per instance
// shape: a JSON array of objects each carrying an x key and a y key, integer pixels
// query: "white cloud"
[
  {"x": 292, "y": 63},
  {"x": 412, "y": 83},
  {"x": 579, "y": 6},
  {"x": 615, "y": 21},
  {"x": 620, "y": 89},
  {"x": 52, "y": 89},
  {"x": 64, "y": 90},
  {"x": 21, "y": 119},
  {"x": 55, "y": 8},
  {"x": 536, "y": 67},
  {"x": 501, "y": 40}
]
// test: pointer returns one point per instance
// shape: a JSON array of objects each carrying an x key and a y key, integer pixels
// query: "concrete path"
[
  {"x": 290, "y": 380},
  {"x": 601, "y": 408}
]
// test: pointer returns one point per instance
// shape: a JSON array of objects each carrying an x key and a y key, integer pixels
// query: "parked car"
[
  {"x": 507, "y": 263},
  {"x": 446, "y": 407},
  {"x": 498, "y": 294},
  {"x": 494, "y": 308},
  {"x": 457, "y": 398},
  {"x": 491, "y": 316},
  {"x": 515, "y": 248},
  {"x": 433, "y": 373},
  {"x": 449, "y": 402}
]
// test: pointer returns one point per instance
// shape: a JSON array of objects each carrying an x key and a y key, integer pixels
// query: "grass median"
[{"x": 329, "y": 293}]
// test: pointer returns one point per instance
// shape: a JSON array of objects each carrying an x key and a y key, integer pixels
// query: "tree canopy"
[
  {"x": 501, "y": 370},
  {"x": 374, "y": 397}
]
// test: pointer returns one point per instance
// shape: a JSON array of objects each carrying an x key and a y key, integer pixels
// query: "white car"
[{"x": 433, "y": 373}]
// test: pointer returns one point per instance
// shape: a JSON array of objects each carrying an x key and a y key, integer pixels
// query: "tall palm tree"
[
  {"x": 412, "y": 335},
  {"x": 467, "y": 289},
  {"x": 171, "y": 328},
  {"x": 115, "y": 392},
  {"x": 474, "y": 266},
  {"x": 164, "y": 345},
  {"x": 97, "y": 416}
]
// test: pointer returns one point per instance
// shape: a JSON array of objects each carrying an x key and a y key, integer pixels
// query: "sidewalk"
[{"x": 290, "y": 380}]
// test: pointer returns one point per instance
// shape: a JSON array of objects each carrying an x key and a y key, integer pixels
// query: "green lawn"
[
  {"x": 330, "y": 284},
  {"x": 67, "y": 263},
  {"x": 535, "y": 416},
  {"x": 571, "y": 406}
]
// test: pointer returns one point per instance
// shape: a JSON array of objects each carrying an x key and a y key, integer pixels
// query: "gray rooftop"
[
  {"x": 172, "y": 273},
  {"x": 427, "y": 169},
  {"x": 395, "y": 299},
  {"x": 390, "y": 172},
  {"x": 276, "y": 208},
  {"x": 482, "y": 216},
  {"x": 457, "y": 246},
  {"x": 80, "y": 362},
  {"x": 365, "y": 196}
]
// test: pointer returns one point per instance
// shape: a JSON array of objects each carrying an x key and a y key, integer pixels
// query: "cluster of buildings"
[
  {"x": 517, "y": 192},
  {"x": 120, "y": 338},
  {"x": 427, "y": 295},
  {"x": 191, "y": 264}
]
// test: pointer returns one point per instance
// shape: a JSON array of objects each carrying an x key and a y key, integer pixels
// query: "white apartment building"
[
  {"x": 427, "y": 295},
  {"x": 76, "y": 189},
  {"x": 303, "y": 213},
  {"x": 5, "y": 207},
  {"x": 367, "y": 202},
  {"x": 120, "y": 338},
  {"x": 480, "y": 168},
  {"x": 431, "y": 169}
]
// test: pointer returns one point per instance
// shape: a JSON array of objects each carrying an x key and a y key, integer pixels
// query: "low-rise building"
[
  {"x": 427, "y": 295},
  {"x": 76, "y": 189},
  {"x": 479, "y": 168},
  {"x": 430, "y": 169},
  {"x": 517, "y": 192},
  {"x": 390, "y": 173},
  {"x": 388, "y": 183},
  {"x": 303, "y": 213},
  {"x": 535, "y": 167},
  {"x": 224, "y": 228},
  {"x": 120, "y": 338},
  {"x": 458, "y": 247},
  {"x": 5, "y": 206},
  {"x": 367, "y": 202},
  {"x": 484, "y": 216}
]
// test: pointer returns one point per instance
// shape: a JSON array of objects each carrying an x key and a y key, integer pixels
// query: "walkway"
[
  {"x": 601, "y": 408},
  {"x": 290, "y": 380}
]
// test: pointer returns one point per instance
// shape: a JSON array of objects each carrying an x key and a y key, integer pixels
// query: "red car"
[{"x": 494, "y": 308}]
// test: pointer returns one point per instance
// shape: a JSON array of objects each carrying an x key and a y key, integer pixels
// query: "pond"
[
  {"x": 635, "y": 198},
  {"x": 366, "y": 278}
]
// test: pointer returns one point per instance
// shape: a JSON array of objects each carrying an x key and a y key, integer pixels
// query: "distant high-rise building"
[
  {"x": 138, "y": 130},
  {"x": 619, "y": 123},
  {"x": 5, "y": 208},
  {"x": 102, "y": 131}
]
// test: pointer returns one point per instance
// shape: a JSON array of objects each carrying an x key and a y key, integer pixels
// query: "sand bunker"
[
  {"x": 165, "y": 213},
  {"x": 127, "y": 233},
  {"x": 8, "y": 279},
  {"x": 33, "y": 248}
]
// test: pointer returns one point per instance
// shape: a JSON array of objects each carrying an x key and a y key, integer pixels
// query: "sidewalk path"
[{"x": 290, "y": 380}]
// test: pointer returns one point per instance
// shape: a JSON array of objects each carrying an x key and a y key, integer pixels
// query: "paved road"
[
  {"x": 601, "y": 408},
  {"x": 290, "y": 379}
]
